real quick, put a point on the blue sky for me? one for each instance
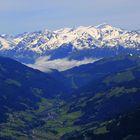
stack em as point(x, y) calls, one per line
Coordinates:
point(17, 16)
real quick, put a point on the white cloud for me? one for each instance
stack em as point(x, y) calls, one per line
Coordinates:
point(45, 65)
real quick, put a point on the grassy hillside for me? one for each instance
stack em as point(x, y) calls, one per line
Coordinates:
point(33, 107)
point(82, 75)
point(22, 87)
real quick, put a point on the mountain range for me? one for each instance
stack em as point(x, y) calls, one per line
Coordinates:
point(92, 101)
point(70, 84)
point(82, 45)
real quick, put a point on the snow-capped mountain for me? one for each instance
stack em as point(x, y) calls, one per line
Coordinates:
point(81, 38)
point(72, 43)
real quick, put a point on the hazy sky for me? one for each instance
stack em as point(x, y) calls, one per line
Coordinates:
point(17, 16)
